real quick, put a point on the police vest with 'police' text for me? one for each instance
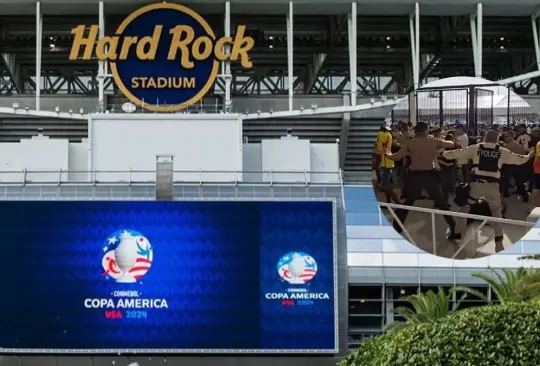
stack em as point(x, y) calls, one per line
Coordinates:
point(488, 158)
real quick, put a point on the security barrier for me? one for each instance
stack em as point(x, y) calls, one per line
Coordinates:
point(484, 220)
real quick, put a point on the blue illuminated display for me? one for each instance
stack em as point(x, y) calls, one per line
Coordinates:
point(205, 276)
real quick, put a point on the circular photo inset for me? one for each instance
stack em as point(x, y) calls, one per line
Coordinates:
point(456, 167)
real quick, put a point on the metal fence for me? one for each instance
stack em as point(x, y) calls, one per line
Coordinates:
point(468, 104)
point(484, 220)
point(145, 177)
point(484, 105)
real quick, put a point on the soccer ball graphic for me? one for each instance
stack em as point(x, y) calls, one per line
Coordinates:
point(127, 257)
point(297, 268)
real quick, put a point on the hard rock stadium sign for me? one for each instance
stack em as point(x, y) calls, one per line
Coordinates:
point(163, 57)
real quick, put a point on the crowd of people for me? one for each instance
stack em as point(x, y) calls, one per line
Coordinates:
point(434, 160)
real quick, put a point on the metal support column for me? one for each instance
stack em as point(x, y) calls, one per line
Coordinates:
point(414, 25)
point(164, 177)
point(101, 64)
point(476, 37)
point(471, 117)
point(534, 23)
point(227, 64)
point(39, 46)
point(290, 45)
point(353, 57)
point(344, 133)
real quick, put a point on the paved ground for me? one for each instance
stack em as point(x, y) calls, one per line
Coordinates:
point(482, 242)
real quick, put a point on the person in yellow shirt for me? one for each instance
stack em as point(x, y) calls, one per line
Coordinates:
point(385, 165)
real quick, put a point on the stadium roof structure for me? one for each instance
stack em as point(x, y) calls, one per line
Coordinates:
point(320, 7)
point(321, 62)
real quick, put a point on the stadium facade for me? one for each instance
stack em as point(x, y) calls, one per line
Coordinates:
point(304, 60)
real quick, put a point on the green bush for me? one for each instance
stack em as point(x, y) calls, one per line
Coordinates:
point(489, 335)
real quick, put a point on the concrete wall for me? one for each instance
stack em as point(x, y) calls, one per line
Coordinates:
point(69, 162)
point(197, 142)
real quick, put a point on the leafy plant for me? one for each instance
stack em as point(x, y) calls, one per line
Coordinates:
point(506, 334)
point(426, 307)
point(508, 286)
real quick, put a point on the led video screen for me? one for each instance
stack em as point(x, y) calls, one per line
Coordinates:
point(182, 277)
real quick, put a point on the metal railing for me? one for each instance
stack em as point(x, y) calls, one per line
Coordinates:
point(206, 106)
point(148, 177)
point(343, 201)
point(433, 212)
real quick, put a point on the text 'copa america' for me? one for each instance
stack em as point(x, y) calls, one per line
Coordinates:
point(126, 304)
point(184, 47)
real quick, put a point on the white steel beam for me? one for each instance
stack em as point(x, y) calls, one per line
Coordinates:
point(39, 45)
point(344, 133)
point(517, 78)
point(226, 71)
point(353, 57)
point(414, 27)
point(534, 23)
point(101, 64)
point(36, 113)
point(290, 50)
point(477, 20)
point(321, 111)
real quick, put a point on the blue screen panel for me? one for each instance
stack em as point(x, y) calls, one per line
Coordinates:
point(204, 276)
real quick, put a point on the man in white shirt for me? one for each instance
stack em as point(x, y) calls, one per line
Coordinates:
point(488, 158)
point(463, 141)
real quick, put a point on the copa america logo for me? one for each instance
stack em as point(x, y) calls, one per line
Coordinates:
point(297, 268)
point(127, 256)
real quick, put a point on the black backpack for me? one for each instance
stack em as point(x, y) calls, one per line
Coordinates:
point(463, 198)
point(481, 208)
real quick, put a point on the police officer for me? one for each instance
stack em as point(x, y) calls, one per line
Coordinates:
point(488, 158)
point(423, 152)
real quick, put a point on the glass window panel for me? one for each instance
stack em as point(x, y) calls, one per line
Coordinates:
point(365, 322)
point(398, 276)
point(362, 218)
point(399, 246)
point(531, 247)
point(365, 275)
point(464, 276)
point(437, 276)
point(365, 245)
point(365, 292)
point(372, 231)
point(366, 206)
point(401, 291)
point(358, 193)
point(365, 307)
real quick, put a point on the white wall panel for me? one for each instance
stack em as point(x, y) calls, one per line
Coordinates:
point(284, 158)
point(78, 161)
point(324, 159)
point(44, 157)
point(11, 162)
point(252, 163)
point(208, 143)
